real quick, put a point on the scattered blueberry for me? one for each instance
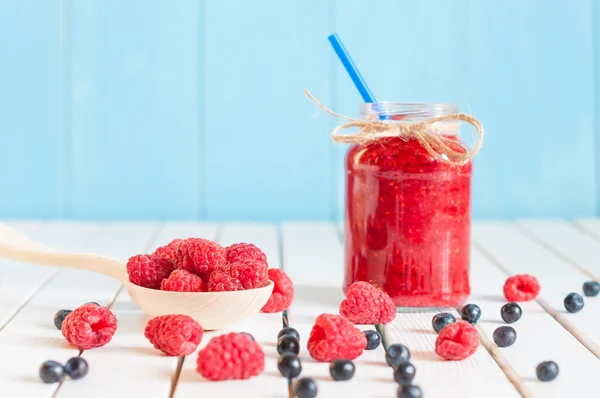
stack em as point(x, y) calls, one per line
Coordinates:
point(51, 372)
point(591, 289)
point(76, 368)
point(288, 343)
point(442, 320)
point(373, 339)
point(397, 354)
point(410, 392)
point(289, 365)
point(573, 302)
point(249, 336)
point(93, 302)
point(470, 313)
point(405, 373)
point(341, 369)
point(547, 371)
point(288, 330)
point(505, 336)
point(511, 312)
point(60, 317)
point(306, 388)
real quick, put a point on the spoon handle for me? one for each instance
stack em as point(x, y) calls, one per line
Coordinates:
point(18, 247)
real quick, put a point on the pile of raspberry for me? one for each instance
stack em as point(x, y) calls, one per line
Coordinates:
point(201, 265)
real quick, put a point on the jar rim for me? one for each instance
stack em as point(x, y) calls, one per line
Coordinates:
point(411, 110)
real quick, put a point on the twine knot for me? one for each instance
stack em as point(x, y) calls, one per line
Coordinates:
point(444, 148)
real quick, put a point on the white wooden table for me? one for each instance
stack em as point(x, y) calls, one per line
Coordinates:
point(561, 254)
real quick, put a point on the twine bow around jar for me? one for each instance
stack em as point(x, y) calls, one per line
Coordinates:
point(442, 147)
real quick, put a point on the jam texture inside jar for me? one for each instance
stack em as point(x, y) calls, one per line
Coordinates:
point(407, 221)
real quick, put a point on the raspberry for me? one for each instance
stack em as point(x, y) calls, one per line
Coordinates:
point(334, 337)
point(175, 335)
point(366, 304)
point(239, 276)
point(457, 341)
point(147, 271)
point(199, 256)
point(89, 326)
point(283, 292)
point(521, 288)
point(231, 356)
point(241, 252)
point(168, 252)
point(182, 281)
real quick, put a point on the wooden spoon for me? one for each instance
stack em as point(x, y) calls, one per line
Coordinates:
point(213, 310)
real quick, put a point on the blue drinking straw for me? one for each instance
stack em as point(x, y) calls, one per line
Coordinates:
point(351, 68)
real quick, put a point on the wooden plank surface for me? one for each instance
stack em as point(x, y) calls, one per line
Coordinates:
point(560, 254)
point(30, 338)
point(264, 328)
point(322, 266)
point(312, 257)
point(130, 361)
point(572, 244)
point(537, 337)
point(19, 282)
point(127, 361)
point(517, 252)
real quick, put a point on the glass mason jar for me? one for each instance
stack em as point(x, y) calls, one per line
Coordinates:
point(408, 215)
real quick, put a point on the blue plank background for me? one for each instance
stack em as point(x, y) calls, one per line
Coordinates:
point(194, 109)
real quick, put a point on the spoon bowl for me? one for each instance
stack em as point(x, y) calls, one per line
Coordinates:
point(213, 310)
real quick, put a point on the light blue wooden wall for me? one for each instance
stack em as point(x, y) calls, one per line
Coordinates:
point(194, 109)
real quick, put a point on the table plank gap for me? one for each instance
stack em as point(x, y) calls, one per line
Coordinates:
point(125, 360)
point(176, 375)
point(18, 284)
point(487, 277)
point(264, 327)
point(31, 338)
point(514, 379)
point(533, 231)
point(314, 258)
point(503, 363)
point(565, 337)
point(591, 226)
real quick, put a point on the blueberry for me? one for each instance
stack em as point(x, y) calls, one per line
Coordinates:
point(442, 320)
point(591, 289)
point(289, 365)
point(547, 371)
point(511, 312)
point(341, 369)
point(249, 336)
point(306, 388)
point(76, 368)
point(574, 302)
point(470, 313)
point(505, 336)
point(405, 373)
point(59, 317)
point(410, 392)
point(288, 330)
point(51, 372)
point(288, 343)
point(397, 354)
point(93, 302)
point(373, 339)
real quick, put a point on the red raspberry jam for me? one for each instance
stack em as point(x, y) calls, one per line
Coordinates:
point(407, 224)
